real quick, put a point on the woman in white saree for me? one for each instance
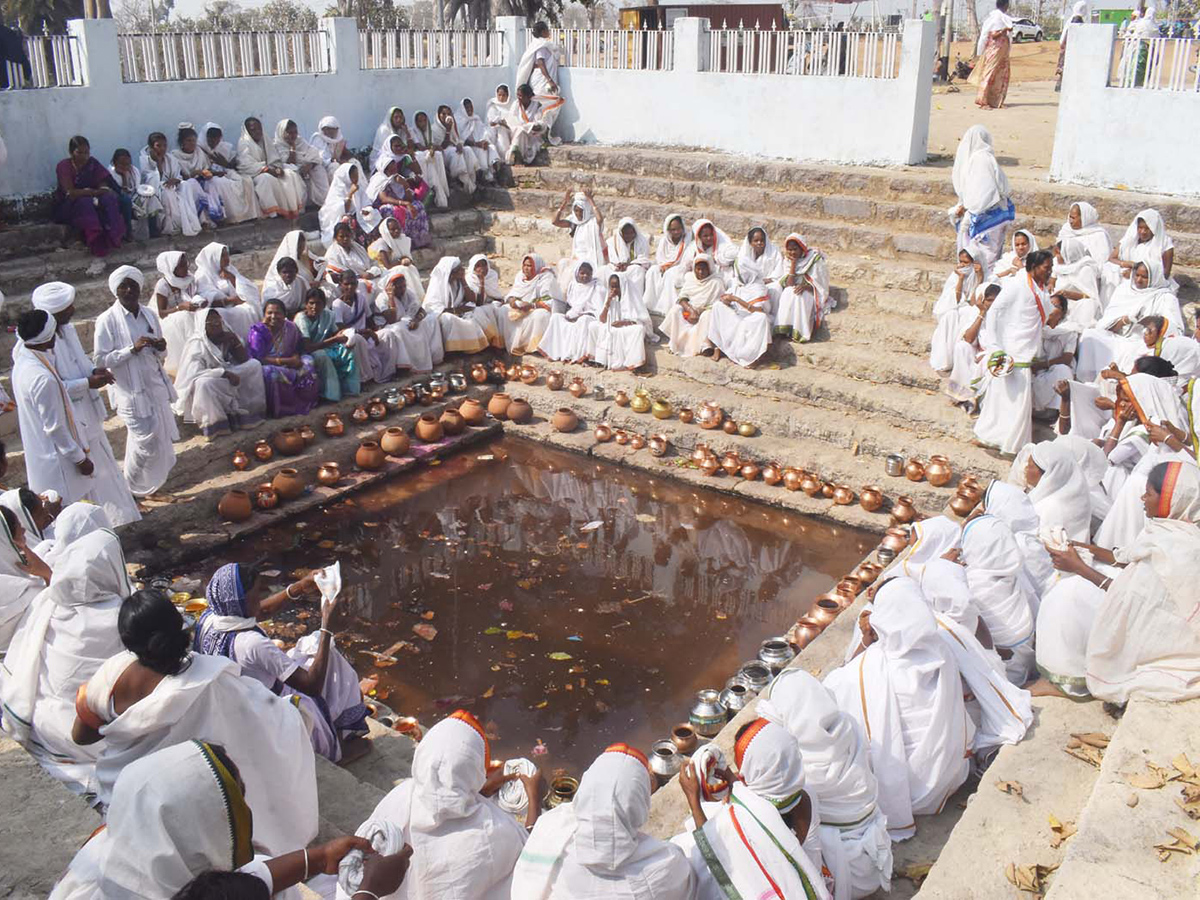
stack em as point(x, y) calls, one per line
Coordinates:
point(1008, 502)
point(660, 278)
point(294, 246)
point(483, 281)
point(466, 327)
point(1059, 492)
point(183, 201)
point(394, 248)
point(855, 845)
point(1083, 224)
point(155, 694)
point(223, 288)
point(499, 106)
point(530, 303)
point(69, 631)
point(585, 224)
point(464, 844)
point(174, 298)
point(568, 335)
point(1077, 277)
point(298, 155)
point(955, 310)
point(427, 150)
point(804, 301)
point(23, 575)
point(219, 386)
point(418, 332)
point(740, 324)
point(376, 350)
point(687, 324)
point(906, 692)
point(618, 335)
point(984, 207)
point(280, 190)
point(221, 160)
point(1145, 241)
point(707, 239)
point(346, 196)
point(594, 848)
point(393, 123)
point(224, 195)
point(1118, 331)
point(1013, 262)
point(629, 254)
point(478, 146)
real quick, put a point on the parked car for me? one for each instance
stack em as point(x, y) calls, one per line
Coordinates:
point(1026, 30)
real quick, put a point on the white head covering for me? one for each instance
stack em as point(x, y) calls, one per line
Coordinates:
point(944, 585)
point(769, 760)
point(995, 570)
point(931, 538)
point(702, 293)
point(1062, 497)
point(12, 500)
point(621, 252)
point(541, 287)
point(978, 179)
point(263, 153)
point(334, 207)
point(1159, 243)
point(53, 296)
point(398, 247)
point(121, 274)
point(996, 21)
point(770, 259)
point(319, 139)
point(439, 295)
point(585, 298)
point(668, 253)
point(166, 263)
point(74, 522)
point(489, 287)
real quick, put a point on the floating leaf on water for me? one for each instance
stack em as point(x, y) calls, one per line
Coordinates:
point(327, 545)
point(490, 692)
point(558, 654)
point(486, 457)
point(424, 630)
point(721, 617)
point(382, 662)
point(443, 575)
point(493, 630)
point(370, 524)
point(495, 668)
point(524, 584)
point(646, 518)
point(603, 681)
point(486, 587)
point(300, 573)
point(427, 615)
point(542, 705)
point(506, 605)
point(592, 525)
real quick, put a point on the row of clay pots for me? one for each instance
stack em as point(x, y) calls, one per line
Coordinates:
point(658, 443)
point(513, 409)
point(286, 442)
point(937, 471)
point(829, 605)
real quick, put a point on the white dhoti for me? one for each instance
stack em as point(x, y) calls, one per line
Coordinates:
point(568, 340)
point(796, 316)
point(617, 348)
point(421, 348)
point(150, 449)
point(462, 334)
point(1064, 622)
point(1004, 420)
point(741, 335)
point(685, 338)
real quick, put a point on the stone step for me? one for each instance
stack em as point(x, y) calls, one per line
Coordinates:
point(344, 801)
point(1115, 843)
point(389, 761)
point(999, 828)
point(930, 185)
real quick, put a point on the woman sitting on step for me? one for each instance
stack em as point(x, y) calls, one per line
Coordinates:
point(954, 309)
point(530, 303)
point(805, 300)
point(280, 189)
point(87, 198)
point(394, 248)
point(1145, 241)
point(660, 278)
point(219, 386)
point(758, 249)
point(629, 253)
point(740, 324)
point(1023, 242)
point(618, 336)
point(290, 376)
point(1083, 224)
point(219, 285)
point(568, 336)
point(467, 319)
point(324, 341)
point(409, 323)
point(687, 323)
point(377, 352)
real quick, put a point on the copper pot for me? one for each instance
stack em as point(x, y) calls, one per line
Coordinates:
point(731, 463)
point(266, 497)
point(288, 442)
point(710, 465)
point(377, 409)
point(903, 511)
point(360, 415)
point(429, 428)
point(750, 470)
point(730, 426)
point(793, 479)
point(803, 632)
point(621, 437)
point(370, 456)
point(554, 381)
point(519, 411)
point(394, 441)
point(235, 506)
point(263, 451)
point(603, 433)
point(824, 611)
point(453, 422)
point(842, 495)
point(686, 416)
point(473, 412)
point(330, 473)
point(772, 473)
point(498, 405)
point(683, 736)
point(621, 399)
point(410, 395)
point(710, 415)
point(240, 460)
point(895, 539)
point(513, 372)
point(810, 484)
point(564, 420)
point(498, 371)
point(699, 454)
point(479, 373)
point(658, 445)
point(870, 498)
point(333, 425)
point(938, 472)
point(962, 505)
point(307, 434)
point(529, 374)
point(849, 588)
point(827, 490)
point(867, 572)
point(636, 442)
point(577, 388)
point(970, 488)
point(914, 470)
point(288, 484)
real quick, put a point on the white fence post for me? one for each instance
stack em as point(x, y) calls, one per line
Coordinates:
point(99, 56)
point(692, 39)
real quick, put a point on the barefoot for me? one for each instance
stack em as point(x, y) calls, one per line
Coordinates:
point(717, 354)
point(1044, 688)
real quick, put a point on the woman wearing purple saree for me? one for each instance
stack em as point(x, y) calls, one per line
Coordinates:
point(87, 198)
point(289, 376)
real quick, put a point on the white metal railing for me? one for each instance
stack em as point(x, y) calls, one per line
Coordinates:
point(614, 48)
point(180, 56)
point(1156, 64)
point(847, 54)
point(429, 49)
point(53, 62)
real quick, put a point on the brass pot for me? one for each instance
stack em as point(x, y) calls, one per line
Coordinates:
point(410, 395)
point(661, 409)
point(288, 484)
point(903, 511)
point(453, 422)
point(750, 470)
point(360, 415)
point(330, 473)
point(870, 498)
point(686, 416)
point(263, 451)
point(473, 412)
point(772, 473)
point(266, 497)
point(730, 426)
point(914, 470)
point(235, 506)
point(498, 405)
point(603, 433)
point(658, 445)
point(637, 441)
point(824, 611)
point(621, 399)
point(333, 426)
point(529, 374)
point(895, 539)
point(849, 587)
point(240, 460)
point(962, 505)
point(793, 479)
point(747, 429)
point(970, 488)
point(288, 442)
point(307, 434)
point(554, 381)
point(710, 465)
point(640, 402)
point(683, 736)
point(731, 463)
point(564, 420)
point(394, 441)
point(577, 388)
point(803, 632)
point(479, 373)
point(842, 495)
point(938, 472)
point(369, 456)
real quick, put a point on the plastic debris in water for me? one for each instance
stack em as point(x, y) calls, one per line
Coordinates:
point(539, 749)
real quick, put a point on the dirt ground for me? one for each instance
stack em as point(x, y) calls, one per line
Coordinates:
point(1030, 61)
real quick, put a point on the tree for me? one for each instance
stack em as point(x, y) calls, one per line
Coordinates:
point(42, 16)
point(383, 15)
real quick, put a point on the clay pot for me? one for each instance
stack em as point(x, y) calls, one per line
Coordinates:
point(453, 422)
point(370, 455)
point(479, 373)
point(772, 473)
point(894, 539)
point(640, 402)
point(429, 428)
point(240, 460)
point(333, 426)
point(263, 451)
point(360, 415)
point(603, 433)
point(802, 633)
point(577, 387)
point(903, 511)
point(962, 505)
point(660, 409)
point(793, 480)
point(730, 426)
point(636, 442)
point(811, 485)
point(842, 495)
point(377, 409)
point(700, 453)
point(914, 470)
point(686, 416)
point(555, 381)
point(288, 442)
point(731, 463)
point(519, 411)
point(288, 484)
point(266, 497)
point(621, 399)
point(710, 415)
point(564, 420)
point(710, 466)
point(658, 445)
point(824, 611)
point(330, 473)
point(235, 506)
point(395, 441)
point(307, 434)
point(683, 736)
point(870, 498)
point(747, 429)
point(621, 437)
point(749, 470)
point(472, 411)
point(938, 472)
point(498, 405)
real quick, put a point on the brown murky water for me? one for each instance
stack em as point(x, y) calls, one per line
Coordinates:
point(575, 603)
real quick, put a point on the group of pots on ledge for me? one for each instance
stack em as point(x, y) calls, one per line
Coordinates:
point(828, 605)
point(658, 443)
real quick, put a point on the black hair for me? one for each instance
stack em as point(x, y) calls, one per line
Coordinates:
point(10, 519)
point(152, 628)
point(185, 133)
point(1155, 322)
point(248, 574)
point(541, 29)
point(446, 108)
point(1157, 477)
point(29, 499)
point(340, 227)
point(31, 322)
point(155, 136)
point(990, 291)
point(213, 885)
point(1059, 300)
point(216, 128)
point(1154, 365)
point(749, 234)
point(348, 275)
point(287, 260)
point(525, 90)
point(76, 142)
point(315, 293)
point(1002, 5)
point(246, 121)
point(277, 302)
point(118, 153)
point(400, 278)
point(1036, 258)
point(1140, 265)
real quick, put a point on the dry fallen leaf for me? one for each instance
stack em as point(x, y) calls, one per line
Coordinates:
point(490, 692)
point(1011, 787)
point(1093, 739)
point(915, 872)
point(1060, 831)
point(424, 630)
point(1184, 844)
point(1028, 878)
point(1150, 780)
point(1088, 754)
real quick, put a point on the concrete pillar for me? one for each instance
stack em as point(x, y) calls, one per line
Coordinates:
point(99, 56)
point(918, 48)
point(512, 29)
point(343, 44)
point(1085, 76)
point(692, 40)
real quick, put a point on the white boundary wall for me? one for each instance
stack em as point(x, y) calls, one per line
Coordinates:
point(1140, 138)
point(795, 117)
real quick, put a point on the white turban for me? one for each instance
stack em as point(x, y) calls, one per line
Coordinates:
point(125, 273)
point(53, 296)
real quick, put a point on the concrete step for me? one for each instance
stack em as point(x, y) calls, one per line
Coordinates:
point(344, 801)
point(999, 828)
point(930, 185)
point(1115, 843)
point(389, 761)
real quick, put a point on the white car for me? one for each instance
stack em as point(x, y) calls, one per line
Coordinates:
point(1026, 30)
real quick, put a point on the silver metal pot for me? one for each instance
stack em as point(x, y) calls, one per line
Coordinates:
point(707, 714)
point(894, 465)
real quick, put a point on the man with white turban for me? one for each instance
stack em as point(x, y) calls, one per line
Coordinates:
point(129, 343)
point(61, 414)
